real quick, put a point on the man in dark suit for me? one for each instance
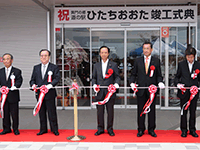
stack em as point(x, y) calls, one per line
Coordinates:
point(40, 75)
point(11, 106)
point(98, 78)
point(184, 77)
point(140, 76)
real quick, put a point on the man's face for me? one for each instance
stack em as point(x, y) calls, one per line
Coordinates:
point(104, 53)
point(7, 61)
point(190, 58)
point(147, 50)
point(44, 57)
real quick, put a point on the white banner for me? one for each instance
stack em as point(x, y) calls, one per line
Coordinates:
point(125, 14)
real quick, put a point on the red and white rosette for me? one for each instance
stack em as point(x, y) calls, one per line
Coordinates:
point(152, 68)
point(4, 91)
point(152, 90)
point(110, 72)
point(50, 73)
point(43, 91)
point(12, 77)
point(111, 90)
point(197, 71)
point(74, 86)
point(193, 91)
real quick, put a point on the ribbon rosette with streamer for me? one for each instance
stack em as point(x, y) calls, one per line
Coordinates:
point(111, 90)
point(152, 68)
point(50, 73)
point(12, 77)
point(146, 109)
point(193, 91)
point(197, 71)
point(110, 72)
point(4, 91)
point(74, 86)
point(43, 91)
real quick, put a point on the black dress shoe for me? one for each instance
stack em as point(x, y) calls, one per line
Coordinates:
point(152, 133)
point(56, 133)
point(184, 134)
point(5, 132)
point(194, 134)
point(99, 132)
point(140, 133)
point(111, 133)
point(41, 132)
point(16, 132)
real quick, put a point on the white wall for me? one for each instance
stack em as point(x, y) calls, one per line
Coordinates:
point(23, 34)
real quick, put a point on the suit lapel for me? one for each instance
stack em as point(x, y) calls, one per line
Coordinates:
point(4, 74)
point(101, 73)
point(142, 65)
point(194, 67)
point(151, 63)
point(40, 70)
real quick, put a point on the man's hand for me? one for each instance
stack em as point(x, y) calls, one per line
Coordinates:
point(116, 85)
point(96, 88)
point(49, 86)
point(161, 85)
point(13, 88)
point(181, 87)
point(34, 87)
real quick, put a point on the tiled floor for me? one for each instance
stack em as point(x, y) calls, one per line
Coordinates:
point(96, 146)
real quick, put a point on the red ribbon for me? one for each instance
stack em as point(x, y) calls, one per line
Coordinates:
point(43, 91)
point(197, 71)
point(110, 72)
point(111, 90)
point(146, 109)
point(74, 86)
point(4, 91)
point(152, 68)
point(193, 91)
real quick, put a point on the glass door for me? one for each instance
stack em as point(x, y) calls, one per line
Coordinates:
point(135, 38)
point(114, 39)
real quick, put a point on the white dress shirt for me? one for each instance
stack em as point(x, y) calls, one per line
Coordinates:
point(42, 67)
point(104, 67)
point(7, 74)
point(190, 66)
point(149, 59)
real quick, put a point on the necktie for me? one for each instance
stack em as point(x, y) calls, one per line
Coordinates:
point(6, 73)
point(146, 65)
point(43, 71)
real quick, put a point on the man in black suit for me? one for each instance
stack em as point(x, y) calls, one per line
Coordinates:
point(11, 106)
point(184, 77)
point(140, 76)
point(98, 78)
point(40, 75)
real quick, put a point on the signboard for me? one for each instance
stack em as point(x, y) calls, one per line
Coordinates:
point(165, 32)
point(125, 14)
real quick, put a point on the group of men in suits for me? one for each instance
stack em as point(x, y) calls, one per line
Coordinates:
point(146, 71)
point(105, 73)
point(40, 76)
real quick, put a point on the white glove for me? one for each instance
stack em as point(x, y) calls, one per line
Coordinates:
point(180, 86)
point(116, 85)
point(13, 88)
point(161, 85)
point(96, 90)
point(134, 86)
point(49, 86)
point(34, 88)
